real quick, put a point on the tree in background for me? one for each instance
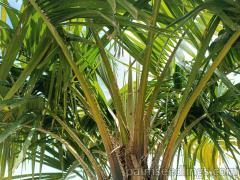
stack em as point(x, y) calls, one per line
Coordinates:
point(60, 61)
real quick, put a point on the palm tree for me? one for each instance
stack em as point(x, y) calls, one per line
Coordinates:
point(63, 105)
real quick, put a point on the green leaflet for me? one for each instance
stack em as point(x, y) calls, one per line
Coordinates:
point(14, 45)
point(129, 7)
point(23, 152)
point(112, 4)
point(12, 127)
point(37, 57)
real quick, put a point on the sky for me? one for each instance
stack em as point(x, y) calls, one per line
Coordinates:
point(15, 3)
